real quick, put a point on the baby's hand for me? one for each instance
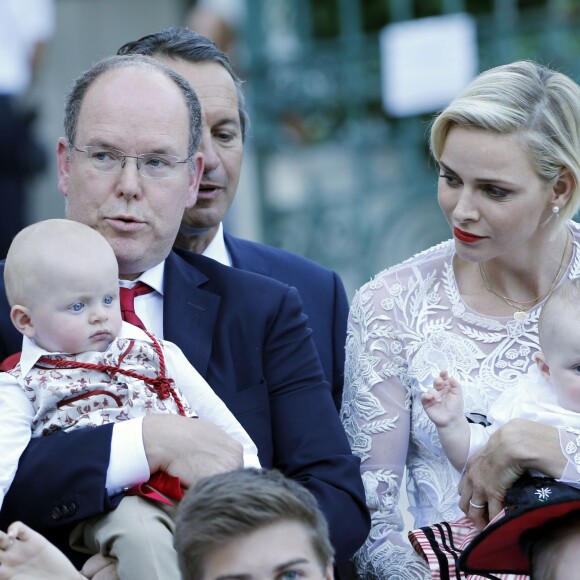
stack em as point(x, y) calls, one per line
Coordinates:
point(24, 553)
point(444, 402)
point(5, 540)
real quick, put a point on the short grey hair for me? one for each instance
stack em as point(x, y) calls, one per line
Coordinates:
point(81, 85)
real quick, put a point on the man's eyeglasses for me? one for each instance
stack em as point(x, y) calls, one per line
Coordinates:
point(152, 165)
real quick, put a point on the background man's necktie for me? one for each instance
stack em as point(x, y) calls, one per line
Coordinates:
point(127, 299)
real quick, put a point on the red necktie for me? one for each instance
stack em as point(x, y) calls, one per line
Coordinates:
point(127, 298)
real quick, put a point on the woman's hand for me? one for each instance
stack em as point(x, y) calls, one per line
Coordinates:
point(515, 447)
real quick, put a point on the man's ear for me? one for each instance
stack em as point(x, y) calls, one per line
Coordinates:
point(329, 572)
point(63, 165)
point(194, 179)
point(543, 366)
point(20, 316)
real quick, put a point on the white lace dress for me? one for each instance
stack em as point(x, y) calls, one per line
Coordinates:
point(404, 326)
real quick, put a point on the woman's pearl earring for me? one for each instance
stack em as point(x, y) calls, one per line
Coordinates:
point(555, 210)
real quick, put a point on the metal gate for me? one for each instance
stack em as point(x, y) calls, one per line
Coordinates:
point(338, 180)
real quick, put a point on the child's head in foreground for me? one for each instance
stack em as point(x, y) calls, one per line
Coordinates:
point(62, 284)
point(559, 337)
point(252, 523)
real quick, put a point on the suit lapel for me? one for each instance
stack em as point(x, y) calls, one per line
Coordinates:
point(189, 312)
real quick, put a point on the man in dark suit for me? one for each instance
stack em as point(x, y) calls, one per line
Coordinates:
point(219, 90)
point(245, 334)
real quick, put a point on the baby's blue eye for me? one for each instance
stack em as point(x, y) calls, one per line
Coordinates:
point(77, 307)
point(290, 575)
point(108, 300)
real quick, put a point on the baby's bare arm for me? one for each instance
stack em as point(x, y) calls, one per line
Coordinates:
point(444, 406)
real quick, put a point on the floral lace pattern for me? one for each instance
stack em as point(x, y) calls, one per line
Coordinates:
point(570, 445)
point(405, 325)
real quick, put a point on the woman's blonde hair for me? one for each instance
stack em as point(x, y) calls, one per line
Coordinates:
point(524, 97)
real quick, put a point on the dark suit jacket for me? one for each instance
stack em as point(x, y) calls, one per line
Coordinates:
point(322, 294)
point(247, 335)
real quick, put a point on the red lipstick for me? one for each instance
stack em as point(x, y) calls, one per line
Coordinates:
point(466, 236)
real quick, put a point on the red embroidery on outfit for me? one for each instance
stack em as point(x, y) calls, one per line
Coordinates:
point(161, 486)
point(161, 384)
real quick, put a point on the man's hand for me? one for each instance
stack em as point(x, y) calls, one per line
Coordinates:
point(190, 449)
point(515, 447)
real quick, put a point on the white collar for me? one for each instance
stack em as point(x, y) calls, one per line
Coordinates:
point(217, 249)
point(31, 352)
point(152, 277)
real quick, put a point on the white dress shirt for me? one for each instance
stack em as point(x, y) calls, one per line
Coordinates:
point(128, 465)
point(128, 460)
point(217, 250)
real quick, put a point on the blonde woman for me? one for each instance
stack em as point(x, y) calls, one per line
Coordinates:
point(509, 182)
